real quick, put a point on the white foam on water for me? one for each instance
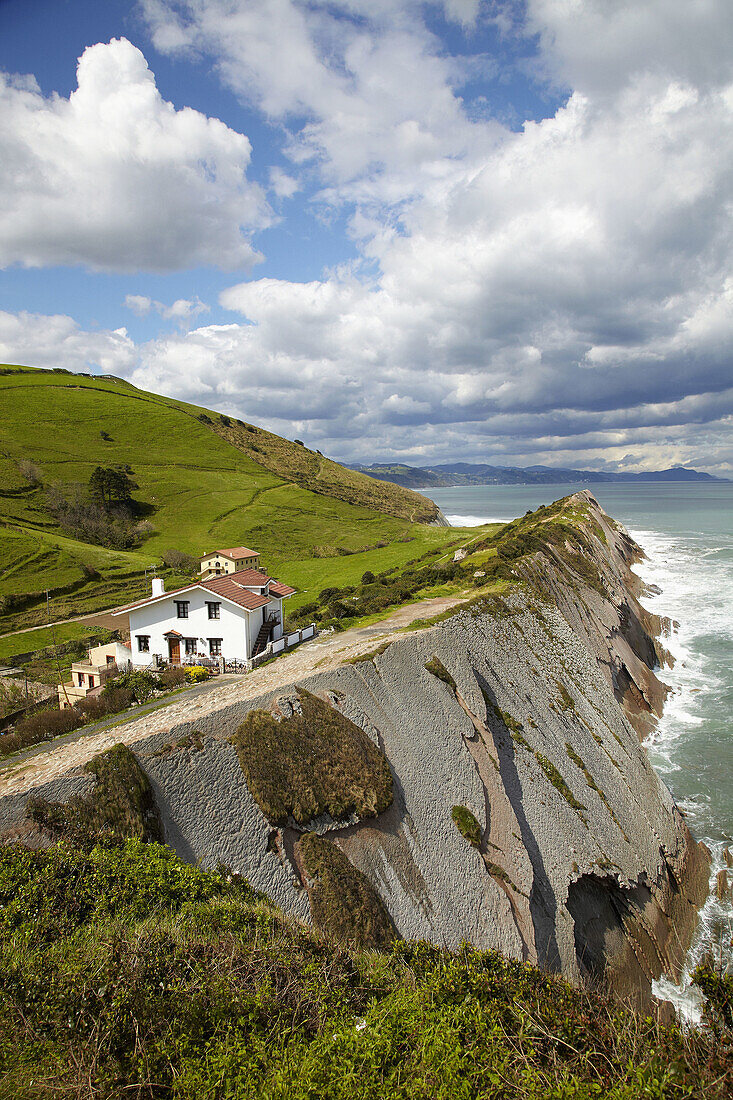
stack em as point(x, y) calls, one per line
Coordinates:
point(696, 581)
point(476, 521)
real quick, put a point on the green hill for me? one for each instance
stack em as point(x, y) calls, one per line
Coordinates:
point(202, 481)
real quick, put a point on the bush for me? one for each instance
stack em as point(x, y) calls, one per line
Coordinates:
point(117, 698)
point(140, 682)
point(180, 562)
point(172, 678)
point(93, 708)
point(49, 723)
point(367, 578)
point(196, 674)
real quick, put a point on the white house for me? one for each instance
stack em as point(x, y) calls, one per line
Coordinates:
point(219, 562)
point(233, 617)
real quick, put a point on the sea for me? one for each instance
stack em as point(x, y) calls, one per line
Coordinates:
point(686, 532)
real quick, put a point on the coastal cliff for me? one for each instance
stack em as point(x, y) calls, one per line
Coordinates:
point(523, 813)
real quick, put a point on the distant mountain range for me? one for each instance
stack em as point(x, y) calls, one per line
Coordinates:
point(466, 473)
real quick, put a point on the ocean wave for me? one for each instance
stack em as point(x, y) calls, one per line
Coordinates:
point(691, 747)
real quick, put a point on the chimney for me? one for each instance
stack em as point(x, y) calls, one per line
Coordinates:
point(158, 586)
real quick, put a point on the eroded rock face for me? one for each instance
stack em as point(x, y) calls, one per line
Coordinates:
point(585, 864)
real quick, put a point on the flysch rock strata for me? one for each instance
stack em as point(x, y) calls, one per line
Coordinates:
point(585, 866)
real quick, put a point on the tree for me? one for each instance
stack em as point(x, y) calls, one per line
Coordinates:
point(111, 487)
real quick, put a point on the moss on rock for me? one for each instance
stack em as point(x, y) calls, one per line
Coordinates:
point(467, 825)
point(343, 901)
point(121, 804)
point(436, 668)
point(316, 761)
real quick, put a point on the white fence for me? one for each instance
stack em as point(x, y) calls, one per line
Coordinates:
point(287, 642)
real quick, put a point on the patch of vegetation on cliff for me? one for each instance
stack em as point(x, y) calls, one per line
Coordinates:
point(343, 901)
point(514, 726)
point(436, 668)
point(180, 982)
point(566, 700)
point(314, 762)
point(467, 825)
point(560, 785)
point(121, 803)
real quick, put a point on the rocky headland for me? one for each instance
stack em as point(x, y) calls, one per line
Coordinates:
point(482, 778)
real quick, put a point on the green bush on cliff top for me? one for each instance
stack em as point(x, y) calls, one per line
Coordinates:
point(157, 979)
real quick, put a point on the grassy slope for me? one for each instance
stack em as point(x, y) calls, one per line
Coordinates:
point(207, 491)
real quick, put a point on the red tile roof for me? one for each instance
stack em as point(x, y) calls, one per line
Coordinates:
point(235, 552)
point(281, 590)
point(232, 586)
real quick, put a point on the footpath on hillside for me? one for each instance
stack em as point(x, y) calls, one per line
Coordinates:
point(51, 759)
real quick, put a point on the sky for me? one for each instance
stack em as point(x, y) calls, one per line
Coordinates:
point(409, 230)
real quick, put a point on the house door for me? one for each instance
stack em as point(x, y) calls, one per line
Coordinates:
point(174, 651)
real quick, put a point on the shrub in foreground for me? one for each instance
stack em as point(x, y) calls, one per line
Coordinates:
point(152, 978)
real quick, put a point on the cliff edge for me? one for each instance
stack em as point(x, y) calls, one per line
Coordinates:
point(485, 777)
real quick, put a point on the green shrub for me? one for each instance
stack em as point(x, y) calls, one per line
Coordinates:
point(140, 682)
point(127, 972)
point(716, 987)
point(467, 825)
point(314, 762)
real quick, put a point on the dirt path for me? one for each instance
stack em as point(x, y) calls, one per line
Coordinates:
point(324, 652)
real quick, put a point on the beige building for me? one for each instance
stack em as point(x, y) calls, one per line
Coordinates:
point(89, 677)
point(220, 562)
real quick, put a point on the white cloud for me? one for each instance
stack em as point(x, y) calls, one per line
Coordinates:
point(383, 121)
point(139, 304)
point(561, 294)
point(116, 179)
point(182, 310)
point(40, 340)
point(282, 184)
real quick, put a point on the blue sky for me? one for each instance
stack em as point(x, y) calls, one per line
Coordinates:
point(427, 231)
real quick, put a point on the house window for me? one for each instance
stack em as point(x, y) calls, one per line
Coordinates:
point(215, 647)
point(110, 660)
point(143, 643)
point(81, 679)
point(213, 610)
point(182, 609)
point(190, 646)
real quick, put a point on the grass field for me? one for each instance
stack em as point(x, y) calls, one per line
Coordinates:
point(207, 481)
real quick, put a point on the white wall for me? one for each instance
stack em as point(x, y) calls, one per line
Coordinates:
point(232, 627)
point(121, 654)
